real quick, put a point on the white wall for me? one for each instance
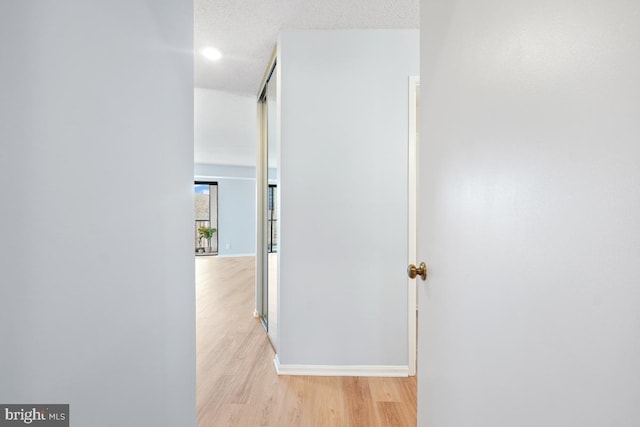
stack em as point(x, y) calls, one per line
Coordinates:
point(343, 298)
point(225, 128)
point(236, 207)
point(236, 217)
point(225, 151)
point(531, 197)
point(96, 98)
point(208, 171)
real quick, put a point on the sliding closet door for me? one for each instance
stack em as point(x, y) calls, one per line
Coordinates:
point(268, 206)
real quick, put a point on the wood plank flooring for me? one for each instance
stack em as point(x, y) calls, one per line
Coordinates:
point(236, 380)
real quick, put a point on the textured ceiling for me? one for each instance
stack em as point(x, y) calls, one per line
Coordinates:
point(246, 31)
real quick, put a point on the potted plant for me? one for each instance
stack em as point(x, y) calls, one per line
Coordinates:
point(206, 233)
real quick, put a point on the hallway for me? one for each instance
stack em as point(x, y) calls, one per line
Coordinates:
point(236, 380)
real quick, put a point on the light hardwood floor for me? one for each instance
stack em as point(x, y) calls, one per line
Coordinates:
point(236, 381)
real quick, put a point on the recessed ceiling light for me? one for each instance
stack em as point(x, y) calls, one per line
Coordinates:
point(211, 53)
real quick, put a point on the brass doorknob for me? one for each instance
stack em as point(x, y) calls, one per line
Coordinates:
point(414, 271)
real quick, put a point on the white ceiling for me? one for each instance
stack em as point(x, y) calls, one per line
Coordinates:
point(246, 31)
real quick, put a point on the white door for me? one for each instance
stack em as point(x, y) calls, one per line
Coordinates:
point(529, 214)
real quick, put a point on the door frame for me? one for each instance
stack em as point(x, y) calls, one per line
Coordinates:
point(412, 227)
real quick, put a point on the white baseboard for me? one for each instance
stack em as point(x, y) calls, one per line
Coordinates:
point(233, 255)
point(341, 370)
